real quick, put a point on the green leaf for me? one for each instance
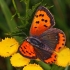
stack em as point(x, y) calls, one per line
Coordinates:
point(31, 11)
point(11, 23)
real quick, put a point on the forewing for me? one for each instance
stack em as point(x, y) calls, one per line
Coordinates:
point(42, 21)
point(27, 50)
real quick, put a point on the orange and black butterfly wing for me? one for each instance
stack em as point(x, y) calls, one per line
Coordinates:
point(53, 40)
point(42, 21)
point(45, 56)
point(27, 50)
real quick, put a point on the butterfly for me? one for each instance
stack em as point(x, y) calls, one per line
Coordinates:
point(44, 40)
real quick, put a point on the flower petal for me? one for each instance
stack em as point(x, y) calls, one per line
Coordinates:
point(63, 57)
point(32, 67)
point(8, 46)
point(17, 60)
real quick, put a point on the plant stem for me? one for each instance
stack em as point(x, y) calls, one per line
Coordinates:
point(27, 7)
point(17, 11)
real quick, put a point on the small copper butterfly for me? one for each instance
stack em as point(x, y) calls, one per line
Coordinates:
point(44, 40)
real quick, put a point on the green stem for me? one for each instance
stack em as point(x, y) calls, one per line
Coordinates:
point(9, 66)
point(11, 23)
point(14, 4)
point(27, 7)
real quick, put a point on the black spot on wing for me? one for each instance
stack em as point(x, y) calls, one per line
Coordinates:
point(37, 22)
point(28, 52)
point(42, 15)
point(22, 50)
point(35, 27)
point(41, 8)
point(59, 48)
point(63, 39)
point(24, 47)
point(42, 19)
point(45, 26)
point(62, 43)
point(63, 36)
point(36, 16)
point(45, 20)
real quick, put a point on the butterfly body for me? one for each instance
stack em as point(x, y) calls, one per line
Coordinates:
point(44, 40)
point(35, 41)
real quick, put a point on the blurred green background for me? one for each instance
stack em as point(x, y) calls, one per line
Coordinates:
point(12, 16)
